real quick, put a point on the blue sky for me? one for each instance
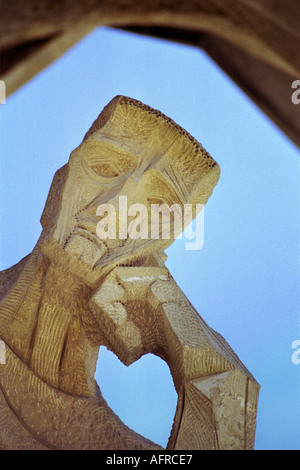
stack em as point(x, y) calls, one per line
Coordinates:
point(245, 280)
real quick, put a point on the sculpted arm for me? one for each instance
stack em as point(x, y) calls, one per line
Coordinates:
point(143, 310)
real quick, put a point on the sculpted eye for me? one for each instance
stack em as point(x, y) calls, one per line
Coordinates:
point(105, 160)
point(105, 169)
point(155, 200)
point(160, 205)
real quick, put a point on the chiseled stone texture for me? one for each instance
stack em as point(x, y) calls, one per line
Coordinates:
point(75, 292)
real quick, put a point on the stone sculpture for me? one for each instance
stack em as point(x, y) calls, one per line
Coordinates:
point(75, 292)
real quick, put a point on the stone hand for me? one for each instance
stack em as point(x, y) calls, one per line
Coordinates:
point(142, 310)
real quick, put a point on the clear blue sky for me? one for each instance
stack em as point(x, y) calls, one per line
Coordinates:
point(244, 281)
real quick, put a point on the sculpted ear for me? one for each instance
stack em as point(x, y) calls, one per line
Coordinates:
point(54, 199)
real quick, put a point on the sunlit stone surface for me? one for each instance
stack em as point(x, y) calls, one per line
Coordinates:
point(77, 291)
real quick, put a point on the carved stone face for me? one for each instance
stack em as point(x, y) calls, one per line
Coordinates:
point(138, 153)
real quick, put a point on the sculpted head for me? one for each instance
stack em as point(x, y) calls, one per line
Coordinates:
point(131, 150)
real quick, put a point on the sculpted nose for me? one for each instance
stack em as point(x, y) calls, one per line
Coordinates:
point(137, 175)
point(129, 186)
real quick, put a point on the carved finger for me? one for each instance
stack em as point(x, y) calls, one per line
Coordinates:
point(217, 412)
